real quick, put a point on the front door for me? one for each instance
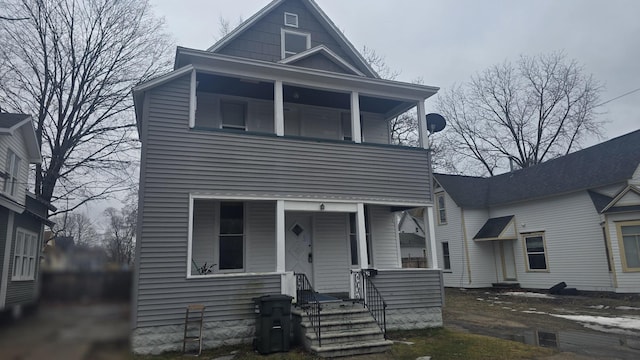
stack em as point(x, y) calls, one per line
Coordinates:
point(299, 244)
point(508, 260)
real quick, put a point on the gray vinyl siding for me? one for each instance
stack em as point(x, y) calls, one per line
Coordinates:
point(262, 40)
point(383, 238)
point(331, 253)
point(163, 301)
point(261, 236)
point(410, 288)
point(320, 62)
point(23, 292)
point(182, 160)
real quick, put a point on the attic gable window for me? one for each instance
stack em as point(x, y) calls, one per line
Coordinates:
point(293, 42)
point(291, 19)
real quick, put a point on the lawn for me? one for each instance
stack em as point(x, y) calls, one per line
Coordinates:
point(440, 344)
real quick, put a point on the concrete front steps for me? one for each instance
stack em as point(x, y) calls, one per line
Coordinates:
point(347, 329)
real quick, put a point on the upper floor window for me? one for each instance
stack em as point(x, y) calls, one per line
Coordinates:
point(12, 169)
point(629, 237)
point(25, 255)
point(234, 115)
point(293, 42)
point(536, 252)
point(291, 19)
point(442, 210)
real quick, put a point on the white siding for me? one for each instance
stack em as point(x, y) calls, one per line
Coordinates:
point(17, 144)
point(575, 249)
point(261, 236)
point(452, 232)
point(384, 238)
point(481, 260)
point(331, 262)
point(630, 198)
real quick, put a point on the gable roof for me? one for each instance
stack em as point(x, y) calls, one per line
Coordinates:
point(311, 5)
point(10, 123)
point(327, 53)
point(607, 163)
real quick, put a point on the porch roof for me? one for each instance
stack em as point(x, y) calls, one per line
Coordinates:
point(496, 229)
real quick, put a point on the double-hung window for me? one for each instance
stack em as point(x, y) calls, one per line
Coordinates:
point(536, 252)
point(629, 235)
point(231, 244)
point(446, 257)
point(442, 210)
point(12, 170)
point(25, 255)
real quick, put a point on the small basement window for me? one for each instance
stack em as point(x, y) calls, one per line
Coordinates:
point(291, 19)
point(293, 42)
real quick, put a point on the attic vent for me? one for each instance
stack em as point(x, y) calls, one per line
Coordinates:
point(291, 19)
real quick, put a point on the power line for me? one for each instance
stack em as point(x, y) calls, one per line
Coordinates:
point(618, 97)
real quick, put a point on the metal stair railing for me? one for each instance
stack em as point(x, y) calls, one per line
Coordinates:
point(307, 300)
point(371, 298)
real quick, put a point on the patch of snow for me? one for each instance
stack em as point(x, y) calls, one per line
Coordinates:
point(480, 299)
point(534, 312)
point(528, 294)
point(533, 309)
point(506, 308)
point(622, 322)
point(598, 307)
point(610, 330)
point(627, 308)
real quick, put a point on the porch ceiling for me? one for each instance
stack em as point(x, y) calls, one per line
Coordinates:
point(296, 94)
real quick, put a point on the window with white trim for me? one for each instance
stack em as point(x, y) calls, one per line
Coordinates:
point(12, 171)
point(446, 257)
point(25, 255)
point(291, 19)
point(442, 210)
point(629, 236)
point(293, 42)
point(536, 251)
point(353, 237)
point(233, 114)
point(231, 242)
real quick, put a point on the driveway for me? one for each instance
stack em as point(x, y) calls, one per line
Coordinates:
point(594, 327)
point(70, 332)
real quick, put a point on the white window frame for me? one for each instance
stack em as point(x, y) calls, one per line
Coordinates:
point(623, 251)
point(216, 238)
point(540, 234)
point(12, 173)
point(284, 53)
point(441, 209)
point(294, 16)
point(26, 248)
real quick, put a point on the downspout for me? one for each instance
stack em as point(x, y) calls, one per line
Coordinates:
point(610, 259)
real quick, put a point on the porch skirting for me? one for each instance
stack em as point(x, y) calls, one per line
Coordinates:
point(410, 319)
point(155, 340)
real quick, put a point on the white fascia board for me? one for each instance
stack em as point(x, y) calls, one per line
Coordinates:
point(289, 200)
point(264, 70)
point(321, 49)
point(33, 149)
point(620, 195)
point(150, 84)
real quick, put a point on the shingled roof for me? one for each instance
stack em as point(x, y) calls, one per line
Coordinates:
point(8, 120)
point(607, 163)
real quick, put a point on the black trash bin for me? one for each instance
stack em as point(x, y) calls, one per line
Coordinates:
point(273, 323)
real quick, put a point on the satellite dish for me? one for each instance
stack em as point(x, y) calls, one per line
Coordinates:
point(435, 122)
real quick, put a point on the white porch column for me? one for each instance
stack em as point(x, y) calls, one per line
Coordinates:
point(278, 108)
point(362, 237)
point(193, 100)
point(356, 131)
point(422, 125)
point(280, 236)
point(431, 245)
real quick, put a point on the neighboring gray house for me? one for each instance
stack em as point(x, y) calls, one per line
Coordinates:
point(269, 154)
point(574, 219)
point(22, 215)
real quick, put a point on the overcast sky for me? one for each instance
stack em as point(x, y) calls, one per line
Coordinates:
point(446, 42)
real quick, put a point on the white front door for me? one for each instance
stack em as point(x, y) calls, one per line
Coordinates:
point(299, 244)
point(508, 260)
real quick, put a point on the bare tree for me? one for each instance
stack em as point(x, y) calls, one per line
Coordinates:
point(77, 226)
point(72, 65)
point(525, 113)
point(119, 238)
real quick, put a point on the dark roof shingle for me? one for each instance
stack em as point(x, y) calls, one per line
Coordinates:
point(8, 120)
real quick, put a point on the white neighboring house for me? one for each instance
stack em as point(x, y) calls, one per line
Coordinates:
point(574, 219)
point(413, 246)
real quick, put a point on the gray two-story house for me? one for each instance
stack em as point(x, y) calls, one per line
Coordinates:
point(266, 156)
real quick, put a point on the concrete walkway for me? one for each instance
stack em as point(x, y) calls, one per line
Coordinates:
point(73, 332)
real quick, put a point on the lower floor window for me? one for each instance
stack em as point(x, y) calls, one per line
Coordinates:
point(629, 233)
point(536, 254)
point(218, 236)
point(25, 255)
point(353, 237)
point(446, 258)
